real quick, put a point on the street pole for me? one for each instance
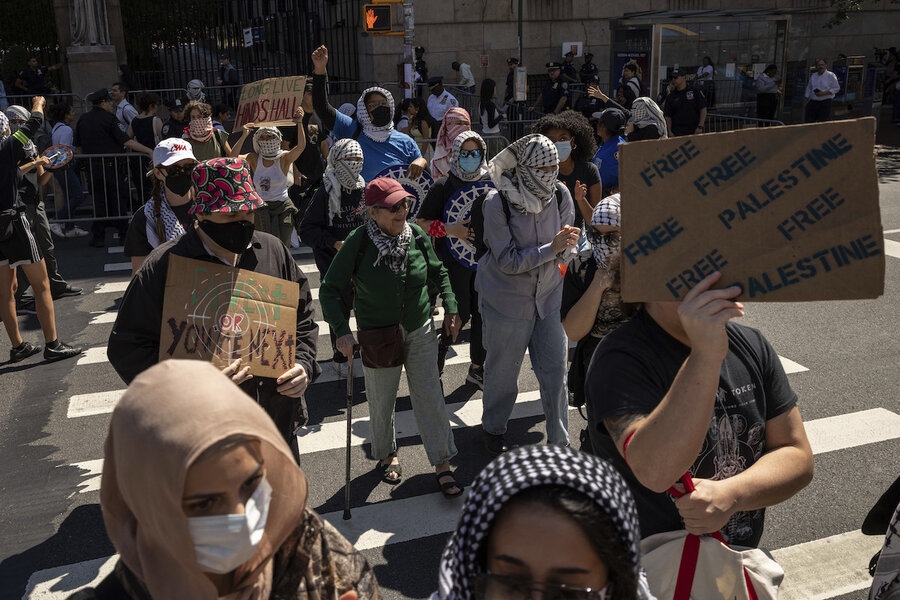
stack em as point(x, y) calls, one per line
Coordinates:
point(520, 31)
point(409, 39)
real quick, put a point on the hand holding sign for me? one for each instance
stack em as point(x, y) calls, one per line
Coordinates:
point(298, 115)
point(703, 314)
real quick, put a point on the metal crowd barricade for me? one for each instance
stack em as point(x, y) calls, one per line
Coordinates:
point(719, 122)
point(67, 97)
point(99, 187)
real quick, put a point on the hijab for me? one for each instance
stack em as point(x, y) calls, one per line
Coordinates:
point(456, 121)
point(645, 112)
point(170, 414)
point(342, 174)
point(377, 134)
point(607, 212)
point(514, 172)
point(194, 90)
point(516, 471)
point(454, 157)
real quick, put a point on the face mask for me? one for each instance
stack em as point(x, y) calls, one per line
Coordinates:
point(348, 172)
point(564, 149)
point(225, 542)
point(469, 164)
point(181, 212)
point(14, 127)
point(200, 129)
point(269, 148)
point(381, 116)
point(179, 183)
point(234, 236)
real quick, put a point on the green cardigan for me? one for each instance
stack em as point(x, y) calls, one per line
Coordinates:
point(377, 302)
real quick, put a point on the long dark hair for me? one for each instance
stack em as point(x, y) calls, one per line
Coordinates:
point(577, 125)
point(593, 521)
point(488, 87)
point(56, 113)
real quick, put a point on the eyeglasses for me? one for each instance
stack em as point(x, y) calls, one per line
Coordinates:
point(472, 153)
point(400, 206)
point(499, 587)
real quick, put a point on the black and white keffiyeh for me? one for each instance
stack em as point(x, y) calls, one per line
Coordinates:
point(378, 134)
point(391, 249)
point(454, 157)
point(171, 225)
point(518, 470)
point(605, 246)
point(4, 125)
point(646, 112)
point(271, 148)
point(342, 174)
point(515, 172)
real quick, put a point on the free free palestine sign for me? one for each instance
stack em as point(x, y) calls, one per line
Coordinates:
point(788, 213)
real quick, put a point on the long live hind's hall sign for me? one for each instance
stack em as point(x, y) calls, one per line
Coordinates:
point(270, 101)
point(787, 213)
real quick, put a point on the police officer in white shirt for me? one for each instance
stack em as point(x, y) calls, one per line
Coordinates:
point(440, 100)
point(822, 87)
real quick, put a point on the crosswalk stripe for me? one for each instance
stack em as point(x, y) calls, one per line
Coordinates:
point(93, 472)
point(852, 429)
point(115, 250)
point(91, 356)
point(104, 317)
point(790, 366)
point(112, 287)
point(115, 267)
point(59, 582)
point(98, 403)
point(892, 248)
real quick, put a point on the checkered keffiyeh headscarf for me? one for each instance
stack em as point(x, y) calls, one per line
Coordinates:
point(519, 470)
point(514, 172)
point(378, 134)
point(342, 174)
point(607, 212)
point(454, 157)
point(645, 112)
point(4, 125)
point(391, 249)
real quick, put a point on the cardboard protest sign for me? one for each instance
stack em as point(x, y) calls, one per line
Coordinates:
point(270, 101)
point(217, 313)
point(788, 213)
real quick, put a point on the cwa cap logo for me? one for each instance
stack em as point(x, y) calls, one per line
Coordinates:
point(172, 150)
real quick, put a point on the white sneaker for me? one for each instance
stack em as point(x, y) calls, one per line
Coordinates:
point(341, 369)
point(75, 232)
point(57, 230)
point(295, 241)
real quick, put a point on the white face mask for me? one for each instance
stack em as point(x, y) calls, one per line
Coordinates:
point(225, 542)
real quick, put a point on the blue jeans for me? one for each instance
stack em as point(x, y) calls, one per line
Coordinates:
point(74, 195)
point(506, 340)
point(425, 395)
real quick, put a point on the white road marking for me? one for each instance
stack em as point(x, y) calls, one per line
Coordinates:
point(827, 567)
point(98, 403)
point(115, 250)
point(107, 316)
point(91, 477)
point(791, 366)
point(113, 287)
point(892, 248)
point(890, 231)
point(115, 267)
point(852, 429)
point(307, 269)
point(94, 355)
point(60, 582)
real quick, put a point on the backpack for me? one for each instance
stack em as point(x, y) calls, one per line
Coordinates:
point(476, 221)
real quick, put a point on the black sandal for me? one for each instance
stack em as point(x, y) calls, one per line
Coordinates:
point(451, 483)
point(388, 470)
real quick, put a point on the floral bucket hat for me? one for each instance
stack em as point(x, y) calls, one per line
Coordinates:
point(224, 185)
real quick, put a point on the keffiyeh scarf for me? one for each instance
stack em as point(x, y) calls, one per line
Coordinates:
point(4, 125)
point(391, 249)
point(171, 225)
point(269, 149)
point(645, 112)
point(605, 246)
point(456, 121)
point(519, 470)
point(342, 174)
point(378, 134)
point(515, 172)
point(194, 90)
point(454, 157)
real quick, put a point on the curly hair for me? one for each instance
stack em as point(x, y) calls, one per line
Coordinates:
point(577, 125)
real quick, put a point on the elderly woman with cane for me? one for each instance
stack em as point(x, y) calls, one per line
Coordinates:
point(390, 263)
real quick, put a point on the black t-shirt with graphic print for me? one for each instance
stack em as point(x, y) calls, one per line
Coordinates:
point(632, 370)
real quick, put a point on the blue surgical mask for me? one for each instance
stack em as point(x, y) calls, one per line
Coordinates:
point(564, 149)
point(469, 164)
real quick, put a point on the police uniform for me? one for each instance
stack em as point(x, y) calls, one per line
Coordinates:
point(683, 108)
point(510, 91)
point(438, 105)
point(568, 69)
point(553, 91)
point(421, 69)
point(173, 128)
point(588, 71)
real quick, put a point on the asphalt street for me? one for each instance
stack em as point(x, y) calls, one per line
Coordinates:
point(842, 358)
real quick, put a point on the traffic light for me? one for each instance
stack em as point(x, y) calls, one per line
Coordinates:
point(377, 18)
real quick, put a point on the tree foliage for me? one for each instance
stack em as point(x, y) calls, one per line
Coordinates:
point(844, 9)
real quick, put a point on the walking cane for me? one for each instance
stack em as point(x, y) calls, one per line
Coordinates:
point(349, 433)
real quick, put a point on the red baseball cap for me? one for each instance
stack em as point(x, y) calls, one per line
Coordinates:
point(385, 192)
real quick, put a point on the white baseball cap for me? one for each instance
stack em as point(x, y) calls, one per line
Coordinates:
point(172, 150)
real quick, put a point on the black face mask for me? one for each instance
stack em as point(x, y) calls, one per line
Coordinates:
point(234, 236)
point(381, 116)
point(179, 181)
point(181, 212)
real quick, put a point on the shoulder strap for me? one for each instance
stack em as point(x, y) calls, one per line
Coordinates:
point(363, 244)
point(504, 202)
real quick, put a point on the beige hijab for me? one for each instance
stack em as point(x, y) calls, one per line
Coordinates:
point(168, 416)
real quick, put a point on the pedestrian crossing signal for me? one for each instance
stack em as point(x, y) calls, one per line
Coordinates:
point(377, 18)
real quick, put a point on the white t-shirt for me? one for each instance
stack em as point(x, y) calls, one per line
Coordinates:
point(826, 82)
point(62, 134)
point(707, 69)
point(466, 79)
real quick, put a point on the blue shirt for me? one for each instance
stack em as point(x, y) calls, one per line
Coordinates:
point(398, 149)
point(607, 161)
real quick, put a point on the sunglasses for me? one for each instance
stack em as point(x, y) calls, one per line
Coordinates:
point(499, 587)
point(472, 153)
point(400, 206)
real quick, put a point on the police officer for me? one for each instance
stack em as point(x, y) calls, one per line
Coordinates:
point(510, 93)
point(440, 100)
point(555, 95)
point(685, 106)
point(174, 126)
point(421, 68)
point(569, 74)
point(588, 72)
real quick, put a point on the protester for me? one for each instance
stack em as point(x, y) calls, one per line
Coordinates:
point(195, 91)
point(466, 79)
point(706, 79)
point(224, 515)
point(629, 86)
point(176, 126)
point(271, 167)
point(391, 263)
point(373, 128)
point(528, 232)
point(646, 121)
point(308, 168)
point(685, 107)
point(588, 70)
point(61, 117)
point(207, 141)
point(415, 122)
point(345, 109)
point(574, 140)
point(687, 390)
point(221, 114)
point(125, 112)
point(335, 210)
point(223, 232)
point(33, 78)
point(555, 95)
point(456, 120)
point(592, 299)
point(146, 127)
point(820, 90)
point(550, 519)
point(440, 100)
point(610, 126)
point(98, 132)
point(165, 216)
point(468, 163)
point(18, 246)
point(487, 109)
point(767, 92)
